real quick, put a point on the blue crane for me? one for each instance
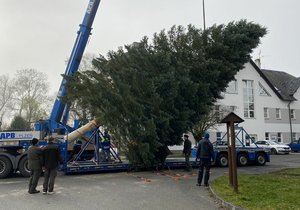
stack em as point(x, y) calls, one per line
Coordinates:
point(60, 111)
point(10, 159)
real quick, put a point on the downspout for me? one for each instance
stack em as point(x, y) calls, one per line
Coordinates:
point(290, 119)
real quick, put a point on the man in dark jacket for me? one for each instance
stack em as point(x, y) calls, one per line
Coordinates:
point(34, 165)
point(205, 153)
point(52, 159)
point(187, 148)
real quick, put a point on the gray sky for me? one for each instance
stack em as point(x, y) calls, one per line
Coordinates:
point(40, 33)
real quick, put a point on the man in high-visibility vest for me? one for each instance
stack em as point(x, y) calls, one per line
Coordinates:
point(105, 146)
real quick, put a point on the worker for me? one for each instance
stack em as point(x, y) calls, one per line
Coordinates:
point(35, 165)
point(105, 146)
point(52, 158)
point(187, 148)
point(205, 153)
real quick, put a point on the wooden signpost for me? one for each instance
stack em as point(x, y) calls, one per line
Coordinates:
point(230, 119)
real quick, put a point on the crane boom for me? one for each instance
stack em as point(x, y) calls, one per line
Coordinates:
point(60, 110)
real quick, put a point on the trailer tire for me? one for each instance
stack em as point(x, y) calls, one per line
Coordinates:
point(242, 159)
point(261, 159)
point(223, 160)
point(23, 167)
point(5, 167)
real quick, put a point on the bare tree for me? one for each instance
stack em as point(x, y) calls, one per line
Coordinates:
point(6, 94)
point(207, 122)
point(211, 119)
point(31, 93)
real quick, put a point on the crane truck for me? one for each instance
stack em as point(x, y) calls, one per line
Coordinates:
point(13, 144)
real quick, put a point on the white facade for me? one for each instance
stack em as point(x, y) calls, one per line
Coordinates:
point(270, 115)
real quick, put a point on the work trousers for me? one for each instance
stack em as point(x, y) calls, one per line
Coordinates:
point(49, 179)
point(187, 161)
point(34, 179)
point(204, 164)
point(106, 155)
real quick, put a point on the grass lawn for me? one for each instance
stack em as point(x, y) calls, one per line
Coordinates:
point(277, 190)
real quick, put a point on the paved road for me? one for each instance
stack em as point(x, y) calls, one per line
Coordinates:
point(277, 162)
point(144, 190)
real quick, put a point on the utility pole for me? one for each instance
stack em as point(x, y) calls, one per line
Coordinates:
point(290, 119)
point(203, 12)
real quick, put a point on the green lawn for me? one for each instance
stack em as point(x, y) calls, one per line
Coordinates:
point(278, 190)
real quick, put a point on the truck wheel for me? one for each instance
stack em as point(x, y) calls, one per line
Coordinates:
point(273, 151)
point(261, 159)
point(223, 160)
point(242, 160)
point(23, 167)
point(5, 167)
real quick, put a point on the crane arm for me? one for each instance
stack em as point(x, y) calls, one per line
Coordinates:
point(60, 110)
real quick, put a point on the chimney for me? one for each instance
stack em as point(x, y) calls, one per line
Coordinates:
point(257, 62)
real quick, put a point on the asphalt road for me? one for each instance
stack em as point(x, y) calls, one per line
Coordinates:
point(174, 189)
point(277, 162)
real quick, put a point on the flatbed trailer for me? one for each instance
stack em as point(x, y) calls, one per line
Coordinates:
point(247, 152)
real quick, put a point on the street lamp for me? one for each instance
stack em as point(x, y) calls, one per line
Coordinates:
point(203, 9)
point(290, 119)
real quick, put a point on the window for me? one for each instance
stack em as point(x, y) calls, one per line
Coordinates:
point(248, 98)
point(232, 87)
point(219, 136)
point(294, 136)
point(279, 137)
point(267, 136)
point(293, 114)
point(262, 90)
point(266, 113)
point(217, 112)
point(278, 114)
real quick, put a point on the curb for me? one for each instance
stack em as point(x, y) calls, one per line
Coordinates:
point(224, 203)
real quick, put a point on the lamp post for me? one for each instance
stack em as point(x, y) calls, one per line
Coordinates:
point(290, 120)
point(203, 12)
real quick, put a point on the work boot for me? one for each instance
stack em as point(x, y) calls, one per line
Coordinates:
point(50, 192)
point(34, 192)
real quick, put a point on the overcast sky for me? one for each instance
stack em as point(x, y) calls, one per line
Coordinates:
point(40, 34)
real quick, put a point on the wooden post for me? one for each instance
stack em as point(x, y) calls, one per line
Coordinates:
point(230, 119)
point(233, 158)
point(229, 155)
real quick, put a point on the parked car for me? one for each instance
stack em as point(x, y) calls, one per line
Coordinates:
point(295, 145)
point(274, 146)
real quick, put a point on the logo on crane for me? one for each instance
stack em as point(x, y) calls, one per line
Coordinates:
point(90, 6)
point(7, 135)
point(19, 135)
